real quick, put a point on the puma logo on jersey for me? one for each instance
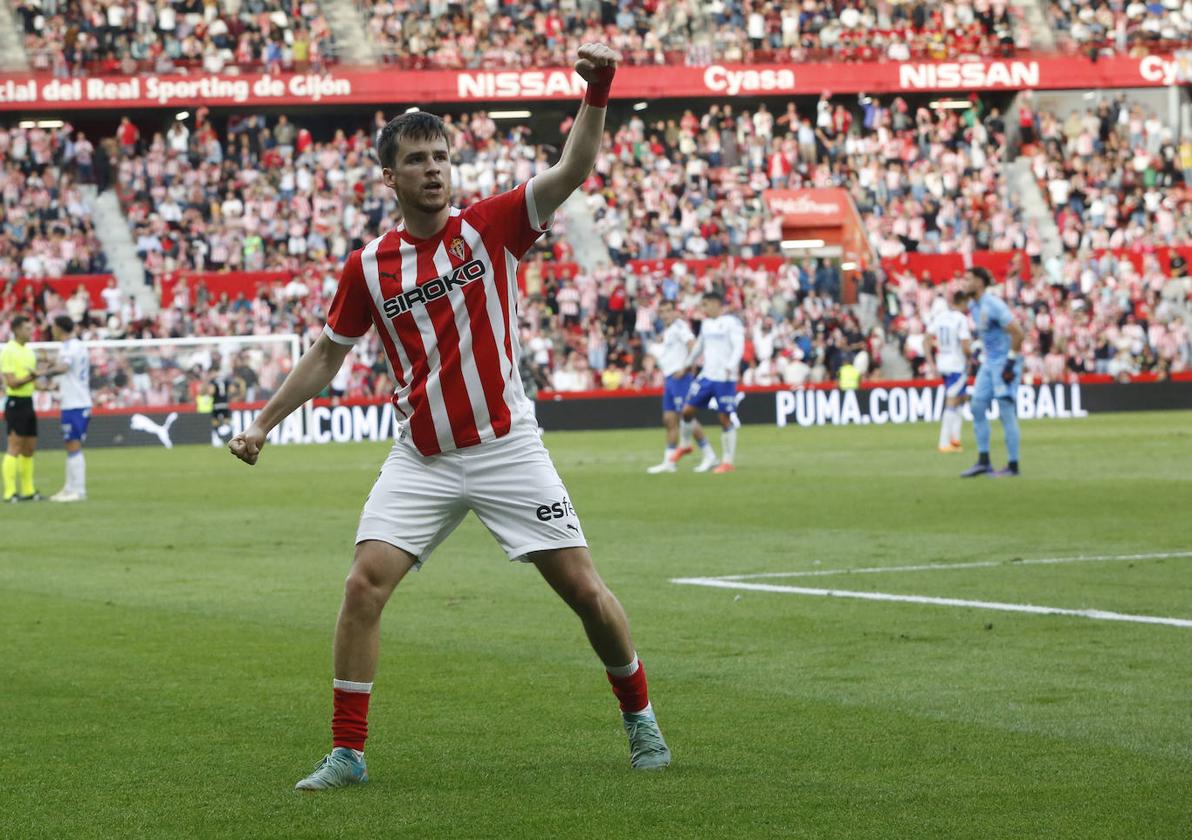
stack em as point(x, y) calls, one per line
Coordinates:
point(433, 289)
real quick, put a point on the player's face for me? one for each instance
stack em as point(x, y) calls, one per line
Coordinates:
point(421, 175)
point(973, 285)
point(711, 307)
point(24, 333)
point(667, 314)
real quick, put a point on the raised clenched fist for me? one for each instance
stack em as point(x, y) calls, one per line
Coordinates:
point(597, 63)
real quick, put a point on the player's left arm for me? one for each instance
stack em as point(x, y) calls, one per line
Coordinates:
point(736, 345)
point(1016, 335)
point(596, 66)
point(1014, 330)
point(695, 349)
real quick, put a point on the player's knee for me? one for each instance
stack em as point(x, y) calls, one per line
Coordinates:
point(362, 593)
point(585, 594)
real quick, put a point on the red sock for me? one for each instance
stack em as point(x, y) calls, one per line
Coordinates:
point(349, 717)
point(631, 690)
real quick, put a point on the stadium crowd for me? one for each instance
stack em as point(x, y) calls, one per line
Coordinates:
point(1104, 28)
point(81, 37)
point(46, 228)
point(264, 194)
point(77, 37)
point(88, 37)
point(1099, 315)
point(596, 330)
point(423, 34)
point(1115, 177)
point(925, 180)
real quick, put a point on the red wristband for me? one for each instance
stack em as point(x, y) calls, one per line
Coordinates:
point(597, 95)
point(598, 88)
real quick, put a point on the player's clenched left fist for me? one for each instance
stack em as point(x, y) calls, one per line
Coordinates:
point(597, 64)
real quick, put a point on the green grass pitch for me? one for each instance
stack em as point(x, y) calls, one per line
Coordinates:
point(167, 648)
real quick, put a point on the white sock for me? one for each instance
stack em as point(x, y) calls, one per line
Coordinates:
point(668, 454)
point(957, 424)
point(76, 473)
point(623, 670)
point(728, 440)
point(348, 685)
point(686, 430)
point(946, 427)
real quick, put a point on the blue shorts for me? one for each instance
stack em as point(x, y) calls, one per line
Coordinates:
point(989, 385)
point(674, 392)
point(703, 391)
point(955, 384)
point(74, 423)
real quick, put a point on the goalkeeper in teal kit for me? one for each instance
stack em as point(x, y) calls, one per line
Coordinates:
point(999, 376)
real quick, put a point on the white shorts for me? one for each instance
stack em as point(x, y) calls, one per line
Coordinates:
point(510, 483)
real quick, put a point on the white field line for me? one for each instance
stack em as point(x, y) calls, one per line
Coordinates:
point(979, 564)
point(1101, 615)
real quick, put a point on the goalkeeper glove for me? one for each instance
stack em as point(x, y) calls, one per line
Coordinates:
point(1008, 371)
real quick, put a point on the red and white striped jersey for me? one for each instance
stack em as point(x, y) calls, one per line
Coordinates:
point(446, 311)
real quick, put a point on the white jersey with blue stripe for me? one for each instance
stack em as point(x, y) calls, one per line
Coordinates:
point(74, 386)
point(950, 330)
point(722, 343)
point(672, 353)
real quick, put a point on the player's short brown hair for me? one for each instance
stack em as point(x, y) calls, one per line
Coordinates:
point(982, 274)
point(417, 125)
point(64, 323)
point(19, 321)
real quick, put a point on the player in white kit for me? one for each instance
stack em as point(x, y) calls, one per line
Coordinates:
point(948, 333)
point(441, 291)
point(671, 353)
point(721, 342)
point(74, 392)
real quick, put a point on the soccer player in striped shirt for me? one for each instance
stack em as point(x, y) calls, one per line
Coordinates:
point(440, 288)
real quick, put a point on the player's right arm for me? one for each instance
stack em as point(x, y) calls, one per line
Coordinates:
point(694, 350)
point(314, 372)
point(347, 321)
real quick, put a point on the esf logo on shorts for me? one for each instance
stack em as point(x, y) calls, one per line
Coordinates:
point(434, 289)
point(557, 510)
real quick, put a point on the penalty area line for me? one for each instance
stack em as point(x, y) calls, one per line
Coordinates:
point(1099, 615)
point(978, 564)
